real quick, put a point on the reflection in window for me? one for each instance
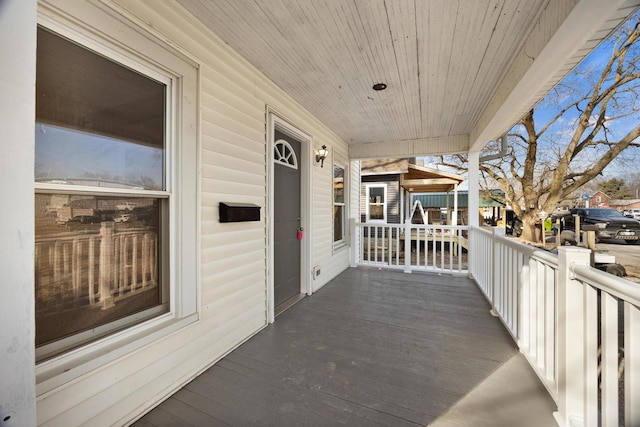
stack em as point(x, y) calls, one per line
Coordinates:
point(100, 265)
point(68, 156)
point(97, 122)
point(96, 262)
point(338, 203)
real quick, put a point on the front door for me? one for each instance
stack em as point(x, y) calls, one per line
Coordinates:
point(286, 218)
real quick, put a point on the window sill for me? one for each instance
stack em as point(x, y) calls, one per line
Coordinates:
point(53, 373)
point(341, 244)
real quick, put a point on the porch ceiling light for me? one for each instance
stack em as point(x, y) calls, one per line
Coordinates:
point(322, 154)
point(379, 86)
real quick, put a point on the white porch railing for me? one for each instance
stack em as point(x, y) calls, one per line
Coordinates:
point(578, 327)
point(411, 247)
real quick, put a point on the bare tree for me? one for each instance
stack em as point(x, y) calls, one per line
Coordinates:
point(550, 156)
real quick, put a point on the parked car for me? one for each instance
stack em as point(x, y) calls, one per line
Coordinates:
point(83, 222)
point(514, 226)
point(609, 224)
point(634, 213)
point(122, 218)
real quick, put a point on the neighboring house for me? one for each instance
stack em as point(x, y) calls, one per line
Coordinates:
point(624, 205)
point(231, 205)
point(387, 185)
point(599, 199)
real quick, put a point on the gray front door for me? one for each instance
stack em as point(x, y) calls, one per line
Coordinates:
point(286, 218)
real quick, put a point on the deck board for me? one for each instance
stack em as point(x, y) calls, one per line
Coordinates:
point(371, 348)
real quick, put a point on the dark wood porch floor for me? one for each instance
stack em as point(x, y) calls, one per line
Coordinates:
point(372, 347)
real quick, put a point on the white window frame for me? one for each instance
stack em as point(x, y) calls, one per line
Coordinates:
point(116, 38)
point(384, 204)
point(342, 241)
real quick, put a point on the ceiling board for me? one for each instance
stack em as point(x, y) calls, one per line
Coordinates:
point(444, 61)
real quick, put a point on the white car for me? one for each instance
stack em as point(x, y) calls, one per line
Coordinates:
point(122, 218)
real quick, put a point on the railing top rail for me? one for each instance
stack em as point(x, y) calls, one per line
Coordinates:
point(530, 251)
point(384, 224)
point(546, 257)
point(613, 285)
point(481, 230)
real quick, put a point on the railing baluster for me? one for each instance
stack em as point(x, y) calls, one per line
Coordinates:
point(433, 247)
point(451, 249)
point(550, 322)
point(442, 248)
point(540, 318)
point(609, 369)
point(631, 364)
point(590, 356)
point(369, 237)
point(418, 238)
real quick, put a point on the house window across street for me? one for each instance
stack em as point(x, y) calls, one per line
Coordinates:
point(101, 196)
point(338, 203)
point(376, 203)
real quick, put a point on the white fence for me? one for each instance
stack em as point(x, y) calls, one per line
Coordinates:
point(578, 327)
point(411, 247)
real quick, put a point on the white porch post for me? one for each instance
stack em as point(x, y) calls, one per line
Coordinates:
point(496, 288)
point(473, 201)
point(571, 335)
point(449, 219)
point(407, 247)
point(474, 187)
point(402, 197)
point(353, 233)
point(455, 205)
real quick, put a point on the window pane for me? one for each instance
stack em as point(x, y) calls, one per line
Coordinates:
point(67, 156)
point(376, 195)
point(338, 184)
point(376, 212)
point(338, 222)
point(98, 122)
point(96, 261)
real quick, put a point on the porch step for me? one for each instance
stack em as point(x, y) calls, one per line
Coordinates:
point(512, 396)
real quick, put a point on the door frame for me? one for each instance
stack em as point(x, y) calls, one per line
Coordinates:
point(277, 121)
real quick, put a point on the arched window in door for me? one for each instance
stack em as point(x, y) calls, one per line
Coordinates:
point(283, 153)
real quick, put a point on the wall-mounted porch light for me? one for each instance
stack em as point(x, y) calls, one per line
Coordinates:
point(322, 154)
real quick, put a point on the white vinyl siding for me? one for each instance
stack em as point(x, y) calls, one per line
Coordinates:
point(232, 102)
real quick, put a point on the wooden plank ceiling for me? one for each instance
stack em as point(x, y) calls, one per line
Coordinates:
point(442, 60)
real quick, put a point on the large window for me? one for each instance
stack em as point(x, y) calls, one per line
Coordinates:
point(377, 202)
point(338, 204)
point(101, 194)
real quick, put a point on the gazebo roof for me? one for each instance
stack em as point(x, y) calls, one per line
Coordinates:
point(420, 179)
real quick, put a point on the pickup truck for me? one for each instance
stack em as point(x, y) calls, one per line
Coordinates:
point(609, 224)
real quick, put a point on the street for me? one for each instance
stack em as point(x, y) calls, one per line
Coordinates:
point(626, 254)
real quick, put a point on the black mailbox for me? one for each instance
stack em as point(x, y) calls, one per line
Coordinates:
point(238, 212)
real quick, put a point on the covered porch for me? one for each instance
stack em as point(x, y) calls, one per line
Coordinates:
point(373, 347)
point(403, 349)
point(357, 80)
